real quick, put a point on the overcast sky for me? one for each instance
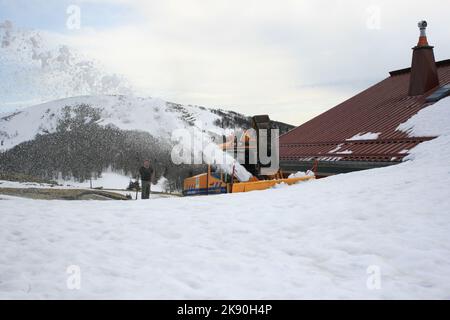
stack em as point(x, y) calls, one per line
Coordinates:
point(291, 59)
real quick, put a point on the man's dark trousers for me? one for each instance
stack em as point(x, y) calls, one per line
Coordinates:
point(145, 192)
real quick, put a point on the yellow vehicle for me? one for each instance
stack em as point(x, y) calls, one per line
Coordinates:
point(206, 183)
point(219, 182)
point(215, 183)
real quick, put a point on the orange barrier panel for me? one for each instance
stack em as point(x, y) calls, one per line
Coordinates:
point(265, 184)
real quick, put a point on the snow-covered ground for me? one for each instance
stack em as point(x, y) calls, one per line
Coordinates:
point(111, 180)
point(317, 239)
point(108, 181)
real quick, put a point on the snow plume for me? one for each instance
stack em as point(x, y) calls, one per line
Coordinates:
point(37, 68)
point(195, 146)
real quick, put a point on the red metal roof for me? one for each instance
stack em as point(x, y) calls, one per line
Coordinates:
point(378, 109)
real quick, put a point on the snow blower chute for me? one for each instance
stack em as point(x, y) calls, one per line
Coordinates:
point(253, 149)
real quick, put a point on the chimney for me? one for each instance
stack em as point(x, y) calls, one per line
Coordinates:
point(424, 75)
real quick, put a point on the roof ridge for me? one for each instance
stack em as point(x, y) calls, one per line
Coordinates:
point(383, 140)
point(440, 63)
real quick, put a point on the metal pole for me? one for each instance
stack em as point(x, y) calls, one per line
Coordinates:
point(137, 186)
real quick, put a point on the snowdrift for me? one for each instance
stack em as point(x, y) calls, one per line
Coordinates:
point(320, 239)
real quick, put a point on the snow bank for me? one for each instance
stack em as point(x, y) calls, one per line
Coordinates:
point(280, 185)
point(300, 174)
point(321, 239)
point(429, 122)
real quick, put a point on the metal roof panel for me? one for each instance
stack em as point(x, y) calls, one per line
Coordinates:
point(380, 108)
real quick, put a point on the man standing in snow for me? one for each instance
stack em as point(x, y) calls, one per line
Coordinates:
point(146, 172)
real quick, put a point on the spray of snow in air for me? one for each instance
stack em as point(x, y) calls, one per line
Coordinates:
point(37, 68)
point(213, 155)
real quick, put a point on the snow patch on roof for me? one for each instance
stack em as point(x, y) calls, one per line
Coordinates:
point(339, 146)
point(429, 122)
point(365, 136)
point(345, 152)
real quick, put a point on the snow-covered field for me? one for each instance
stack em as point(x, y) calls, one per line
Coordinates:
point(111, 180)
point(108, 181)
point(317, 239)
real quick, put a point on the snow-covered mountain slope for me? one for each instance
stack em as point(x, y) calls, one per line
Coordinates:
point(155, 116)
point(126, 115)
point(375, 234)
point(37, 67)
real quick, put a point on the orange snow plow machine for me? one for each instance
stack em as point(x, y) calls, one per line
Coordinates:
point(263, 177)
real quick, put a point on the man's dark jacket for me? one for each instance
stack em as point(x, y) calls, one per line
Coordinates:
point(146, 173)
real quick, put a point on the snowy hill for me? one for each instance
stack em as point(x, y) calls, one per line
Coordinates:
point(81, 137)
point(375, 234)
point(155, 116)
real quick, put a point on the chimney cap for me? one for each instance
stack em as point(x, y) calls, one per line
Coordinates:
point(423, 41)
point(422, 24)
